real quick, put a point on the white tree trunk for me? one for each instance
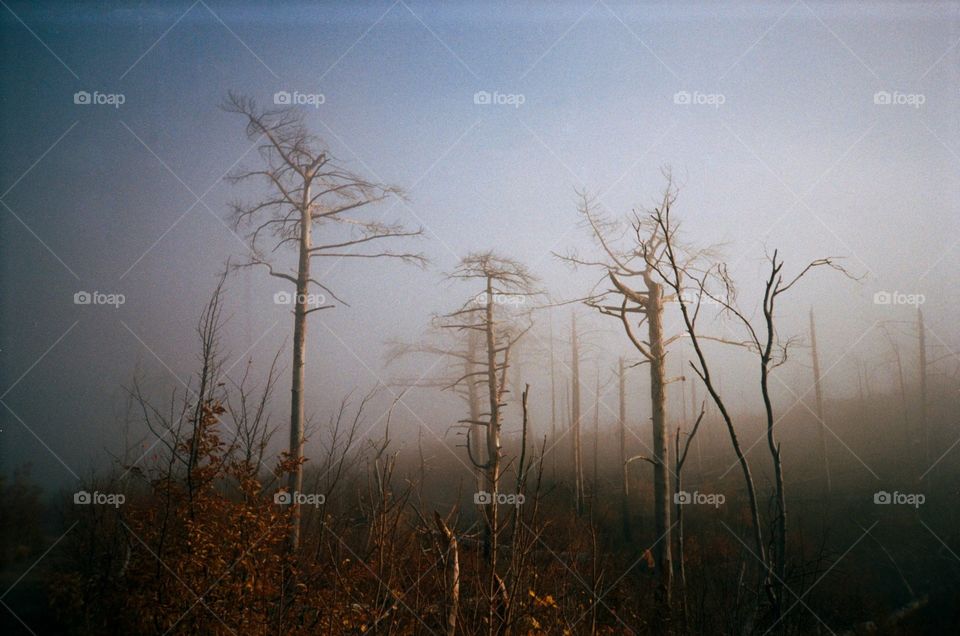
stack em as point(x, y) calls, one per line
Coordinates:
point(295, 484)
point(661, 469)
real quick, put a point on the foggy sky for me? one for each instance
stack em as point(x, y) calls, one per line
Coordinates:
point(798, 157)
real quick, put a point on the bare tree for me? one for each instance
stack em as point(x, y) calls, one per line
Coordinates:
point(251, 414)
point(902, 383)
point(596, 435)
point(553, 398)
point(505, 284)
point(575, 415)
point(818, 390)
point(625, 474)
point(664, 264)
point(622, 265)
point(450, 557)
point(680, 459)
point(772, 352)
point(315, 205)
point(922, 348)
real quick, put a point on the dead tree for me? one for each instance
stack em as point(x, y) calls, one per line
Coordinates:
point(772, 352)
point(450, 558)
point(922, 346)
point(596, 436)
point(315, 205)
point(495, 314)
point(625, 475)
point(818, 391)
point(553, 399)
point(646, 251)
point(680, 458)
point(902, 383)
point(575, 415)
point(622, 265)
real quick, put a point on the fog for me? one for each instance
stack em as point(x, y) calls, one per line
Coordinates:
point(817, 130)
point(797, 157)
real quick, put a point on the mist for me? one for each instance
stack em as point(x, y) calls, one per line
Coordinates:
point(563, 143)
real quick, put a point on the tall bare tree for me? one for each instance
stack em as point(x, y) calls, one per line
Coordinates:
point(626, 266)
point(494, 312)
point(675, 270)
point(315, 205)
point(772, 352)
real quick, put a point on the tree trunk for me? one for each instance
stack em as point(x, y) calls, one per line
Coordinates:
point(819, 393)
point(661, 470)
point(625, 489)
point(575, 416)
point(493, 430)
point(694, 408)
point(681, 558)
point(295, 483)
point(778, 565)
point(451, 573)
point(473, 397)
point(596, 437)
point(924, 432)
point(553, 402)
point(907, 436)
